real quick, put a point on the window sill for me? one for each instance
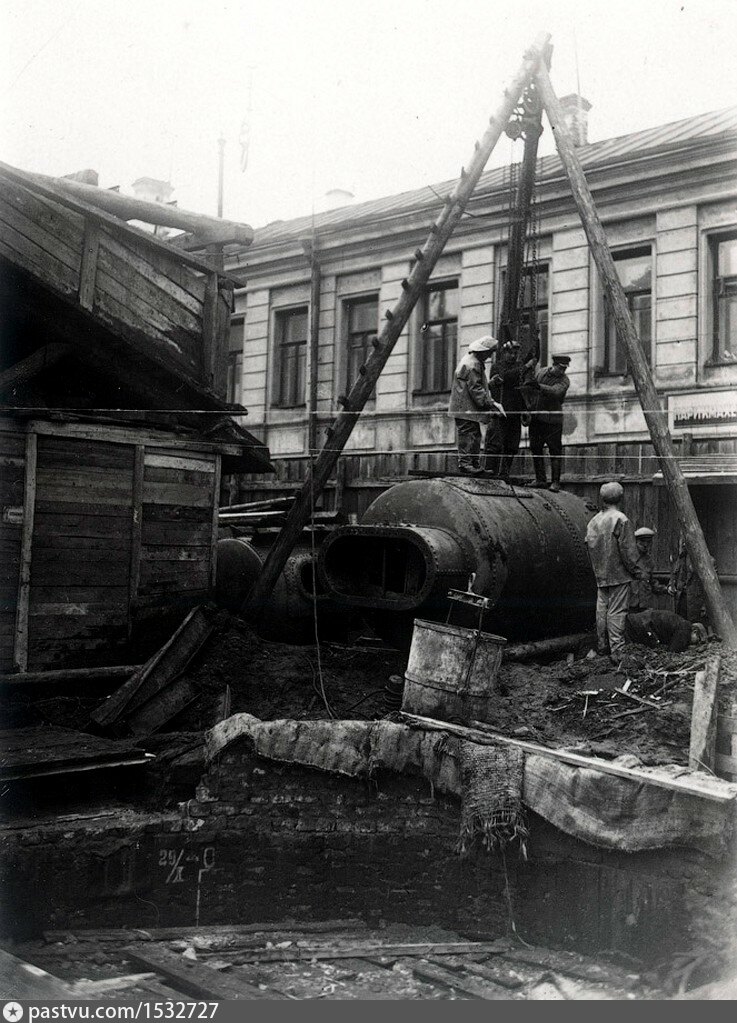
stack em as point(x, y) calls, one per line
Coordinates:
point(720, 363)
point(287, 408)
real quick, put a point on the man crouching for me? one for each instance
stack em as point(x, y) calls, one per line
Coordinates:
point(471, 404)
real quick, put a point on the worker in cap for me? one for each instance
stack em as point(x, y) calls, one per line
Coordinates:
point(643, 590)
point(546, 423)
point(613, 552)
point(471, 405)
point(506, 376)
point(655, 628)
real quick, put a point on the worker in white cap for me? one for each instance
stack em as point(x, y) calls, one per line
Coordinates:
point(471, 405)
point(644, 589)
point(613, 553)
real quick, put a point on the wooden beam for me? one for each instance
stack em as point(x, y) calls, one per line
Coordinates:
point(116, 673)
point(20, 649)
point(655, 416)
point(702, 746)
point(19, 979)
point(313, 343)
point(348, 949)
point(412, 289)
point(195, 979)
point(88, 269)
point(690, 785)
point(209, 330)
point(134, 570)
point(215, 522)
point(126, 207)
point(32, 365)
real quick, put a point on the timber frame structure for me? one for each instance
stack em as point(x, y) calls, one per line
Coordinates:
point(113, 428)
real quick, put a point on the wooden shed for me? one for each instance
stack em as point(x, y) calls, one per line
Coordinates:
point(113, 434)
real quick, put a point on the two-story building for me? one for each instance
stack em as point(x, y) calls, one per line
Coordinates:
point(668, 199)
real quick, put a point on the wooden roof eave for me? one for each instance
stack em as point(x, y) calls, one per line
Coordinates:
point(111, 221)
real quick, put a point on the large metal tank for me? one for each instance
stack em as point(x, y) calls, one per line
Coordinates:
point(420, 538)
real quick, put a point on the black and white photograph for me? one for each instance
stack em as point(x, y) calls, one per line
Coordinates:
point(368, 503)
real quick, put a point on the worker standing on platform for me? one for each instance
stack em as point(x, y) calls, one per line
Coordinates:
point(471, 404)
point(546, 426)
point(644, 588)
point(506, 376)
point(613, 553)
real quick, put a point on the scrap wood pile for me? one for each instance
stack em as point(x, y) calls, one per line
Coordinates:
point(331, 959)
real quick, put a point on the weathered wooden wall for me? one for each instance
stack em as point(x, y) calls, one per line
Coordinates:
point(107, 525)
point(131, 283)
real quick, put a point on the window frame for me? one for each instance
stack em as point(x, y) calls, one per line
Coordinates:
point(715, 349)
point(280, 316)
point(603, 368)
point(419, 392)
point(347, 303)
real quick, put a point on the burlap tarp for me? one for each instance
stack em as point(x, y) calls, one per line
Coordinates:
point(600, 809)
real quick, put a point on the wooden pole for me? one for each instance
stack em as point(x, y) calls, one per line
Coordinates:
point(655, 417)
point(412, 287)
point(313, 342)
point(210, 230)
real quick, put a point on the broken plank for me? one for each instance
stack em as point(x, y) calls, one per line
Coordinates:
point(702, 745)
point(363, 949)
point(436, 973)
point(690, 784)
point(193, 978)
point(122, 934)
point(22, 678)
point(166, 664)
point(501, 973)
point(82, 988)
point(19, 979)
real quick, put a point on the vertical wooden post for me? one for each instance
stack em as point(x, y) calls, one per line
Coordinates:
point(412, 287)
point(313, 346)
point(20, 651)
point(656, 418)
point(214, 533)
point(702, 746)
point(210, 330)
point(134, 571)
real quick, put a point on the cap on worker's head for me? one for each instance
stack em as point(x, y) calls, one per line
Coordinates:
point(561, 360)
point(644, 532)
point(483, 344)
point(611, 493)
point(700, 630)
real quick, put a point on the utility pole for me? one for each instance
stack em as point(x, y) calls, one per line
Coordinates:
point(425, 259)
point(221, 173)
point(655, 417)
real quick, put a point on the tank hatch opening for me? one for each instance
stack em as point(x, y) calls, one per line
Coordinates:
point(394, 567)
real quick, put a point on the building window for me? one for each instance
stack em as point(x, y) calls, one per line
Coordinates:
point(438, 345)
point(535, 297)
point(360, 319)
point(234, 385)
point(234, 382)
point(635, 269)
point(291, 357)
point(724, 297)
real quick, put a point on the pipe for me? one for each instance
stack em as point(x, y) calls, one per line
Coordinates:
point(545, 647)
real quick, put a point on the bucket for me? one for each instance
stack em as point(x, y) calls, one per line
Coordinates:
point(452, 672)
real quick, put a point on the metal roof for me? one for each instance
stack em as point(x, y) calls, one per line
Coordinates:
point(690, 132)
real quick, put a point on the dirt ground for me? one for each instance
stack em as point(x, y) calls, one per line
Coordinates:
point(569, 703)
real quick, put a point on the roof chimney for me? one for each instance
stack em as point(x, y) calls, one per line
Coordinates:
point(576, 114)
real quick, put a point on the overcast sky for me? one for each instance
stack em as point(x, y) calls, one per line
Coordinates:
point(375, 96)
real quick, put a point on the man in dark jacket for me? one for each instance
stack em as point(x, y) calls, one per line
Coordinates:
point(506, 376)
point(643, 589)
point(471, 404)
point(546, 426)
point(663, 628)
